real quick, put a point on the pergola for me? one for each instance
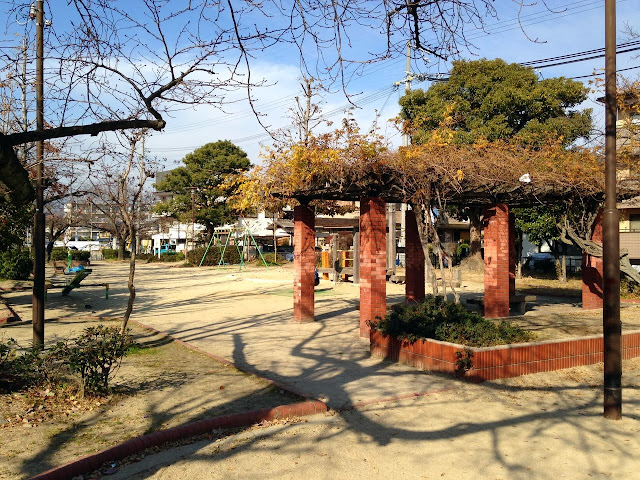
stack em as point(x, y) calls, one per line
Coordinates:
point(499, 247)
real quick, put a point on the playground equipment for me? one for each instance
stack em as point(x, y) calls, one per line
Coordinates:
point(242, 236)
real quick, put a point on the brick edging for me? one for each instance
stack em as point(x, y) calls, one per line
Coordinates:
point(500, 361)
point(8, 319)
point(201, 427)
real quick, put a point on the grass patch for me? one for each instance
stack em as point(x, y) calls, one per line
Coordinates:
point(142, 350)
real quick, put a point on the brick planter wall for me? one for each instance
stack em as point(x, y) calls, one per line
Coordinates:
point(502, 361)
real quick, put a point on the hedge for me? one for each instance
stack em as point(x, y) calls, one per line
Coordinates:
point(60, 253)
point(231, 256)
point(16, 264)
point(112, 254)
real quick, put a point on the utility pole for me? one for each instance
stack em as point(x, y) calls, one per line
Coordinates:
point(611, 326)
point(23, 88)
point(408, 77)
point(38, 230)
point(193, 219)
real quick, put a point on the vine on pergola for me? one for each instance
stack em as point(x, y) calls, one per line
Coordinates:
point(347, 164)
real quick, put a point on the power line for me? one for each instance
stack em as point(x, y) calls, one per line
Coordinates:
point(596, 74)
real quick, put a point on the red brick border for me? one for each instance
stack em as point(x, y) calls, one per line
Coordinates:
point(502, 361)
point(201, 427)
point(8, 314)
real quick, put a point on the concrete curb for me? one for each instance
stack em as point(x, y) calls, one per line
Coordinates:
point(135, 445)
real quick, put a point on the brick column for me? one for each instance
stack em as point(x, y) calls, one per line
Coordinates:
point(373, 261)
point(304, 259)
point(592, 272)
point(414, 260)
point(512, 255)
point(497, 255)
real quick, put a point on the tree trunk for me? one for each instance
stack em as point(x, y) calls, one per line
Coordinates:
point(121, 246)
point(475, 235)
point(424, 241)
point(519, 241)
point(132, 272)
point(49, 250)
point(275, 241)
point(563, 270)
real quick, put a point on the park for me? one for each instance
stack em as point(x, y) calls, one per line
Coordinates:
point(452, 291)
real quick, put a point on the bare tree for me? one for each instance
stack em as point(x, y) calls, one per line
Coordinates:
point(119, 182)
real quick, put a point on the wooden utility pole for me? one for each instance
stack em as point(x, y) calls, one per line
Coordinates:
point(38, 230)
point(612, 328)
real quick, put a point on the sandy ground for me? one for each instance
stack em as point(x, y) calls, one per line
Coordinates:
point(547, 427)
point(161, 385)
point(391, 420)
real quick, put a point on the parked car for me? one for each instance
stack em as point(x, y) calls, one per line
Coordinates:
point(166, 248)
point(541, 261)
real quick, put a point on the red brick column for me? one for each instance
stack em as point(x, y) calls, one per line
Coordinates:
point(592, 272)
point(512, 255)
point(497, 254)
point(304, 259)
point(414, 260)
point(373, 261)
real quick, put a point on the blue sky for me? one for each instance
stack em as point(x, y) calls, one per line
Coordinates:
point(571, 26)
point(577, 26)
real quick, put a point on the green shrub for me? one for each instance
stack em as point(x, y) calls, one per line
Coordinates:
point(112, 254)
point(16, 264)
point(442, 320)
point(270, 257)
point(166, 257)
point(60, 253)
point(22, 370)
point(231, 256)
point(95, 355)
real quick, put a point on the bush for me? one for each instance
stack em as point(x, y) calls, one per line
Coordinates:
point(60, 254)
point(164, 257)
point(231, 256)
point(270, 259)
point(95, 355)
point(16, 264)
point(442, 320)
point(112, 254)
point(24, 370)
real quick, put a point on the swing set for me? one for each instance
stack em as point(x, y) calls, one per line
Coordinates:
point(242, 236)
